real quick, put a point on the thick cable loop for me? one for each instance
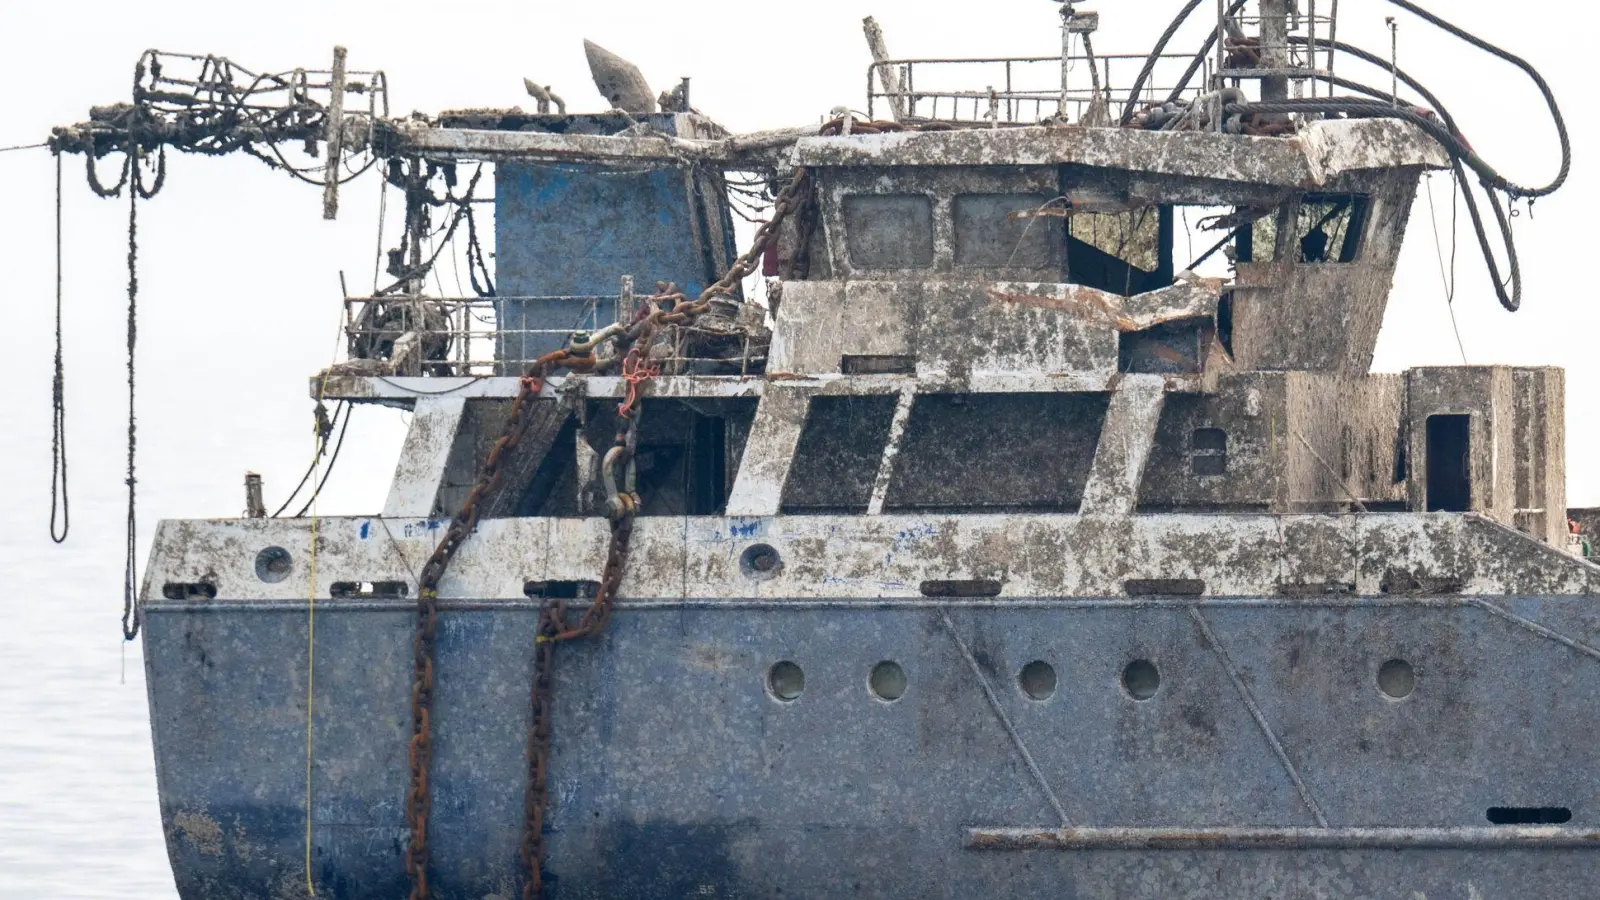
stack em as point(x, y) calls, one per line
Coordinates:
point(1460, 154)
point(1448, 134)
point(1155, 55)
point(1510, 188)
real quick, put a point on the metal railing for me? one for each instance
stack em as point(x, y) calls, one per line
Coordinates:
point(484, 336)
point(1304, 61)
point(443, 336)
point(1022, 90)
point(1092, 89)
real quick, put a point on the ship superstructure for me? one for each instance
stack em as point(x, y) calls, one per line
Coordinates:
point(1018, 545)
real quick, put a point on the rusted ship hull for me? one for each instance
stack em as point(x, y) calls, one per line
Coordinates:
point(1268, 754)
point(1033, 527)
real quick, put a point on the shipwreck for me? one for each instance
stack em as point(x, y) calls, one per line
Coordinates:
point(1014, 514)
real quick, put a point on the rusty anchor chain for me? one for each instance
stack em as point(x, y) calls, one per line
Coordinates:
point(633, 340)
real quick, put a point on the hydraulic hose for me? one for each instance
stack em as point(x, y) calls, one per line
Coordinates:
point(1155, 54)
point(1201, 55)
point(1443, 129)
point(1514, 190)
point(1460, 155)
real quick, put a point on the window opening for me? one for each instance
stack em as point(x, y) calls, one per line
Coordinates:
point(686, 454)
point(1168, 348)
point(996, 231)
point(889, 231)
point(1329, 227)
point(836, 460)
point(1208, 449)
point(1258, 243)
point(553, 489)
point(1449, 468)
point(996, 452)
point(1214, 238)
point(1225, 322)
point(1124, 252)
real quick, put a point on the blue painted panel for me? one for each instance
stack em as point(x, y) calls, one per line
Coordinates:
point(575, 230)
point(675, 774)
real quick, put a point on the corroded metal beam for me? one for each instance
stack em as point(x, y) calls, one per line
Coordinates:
point(1118, 838)
point(1319, 153)
point(404, 390)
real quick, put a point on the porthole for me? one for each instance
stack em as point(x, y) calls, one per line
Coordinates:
point(1037, 680)
point(786, 681)
point(1397, 679)
point(760, 561)
point(887, 681)
point(273, 564)
point(1141, 679)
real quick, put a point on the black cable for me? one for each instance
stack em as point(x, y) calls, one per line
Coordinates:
point(1448, 135)
point(1387, 66)
point(1544, 88)
point(332, 461)
point(463, 210)
point(1155, 54)
point(58, 403)
point(1460, 155)
point(475, 260)
point(1200, 57)
point(1513, 300)
point(322, 449)
point(1452, 142)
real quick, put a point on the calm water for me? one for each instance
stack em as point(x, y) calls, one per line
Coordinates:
point(78, 812)
point(217, 397)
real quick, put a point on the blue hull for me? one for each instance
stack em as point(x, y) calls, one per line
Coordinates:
point(677, 773)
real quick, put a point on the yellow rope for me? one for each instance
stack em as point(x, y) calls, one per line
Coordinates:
point(311, 598)
point(311, 672)
point(311, 627)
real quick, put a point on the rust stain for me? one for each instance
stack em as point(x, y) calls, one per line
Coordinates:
point(1093, 306)
point(201, 830)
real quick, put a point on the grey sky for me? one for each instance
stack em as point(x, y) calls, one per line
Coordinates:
point(239, 275)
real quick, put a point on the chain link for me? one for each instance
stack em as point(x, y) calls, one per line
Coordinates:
point(633, 341)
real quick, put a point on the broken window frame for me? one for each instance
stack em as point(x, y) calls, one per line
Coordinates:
point(1351, 239)
point(1137, 214)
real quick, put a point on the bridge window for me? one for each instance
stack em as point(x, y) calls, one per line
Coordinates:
point(889, 231)
point(836, 461)
point(1329, 227)
point(1007, 231)
point(1124, 252)
point(963, 453)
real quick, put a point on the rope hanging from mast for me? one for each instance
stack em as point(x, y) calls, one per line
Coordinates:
point(58, 403)
point(130, 587)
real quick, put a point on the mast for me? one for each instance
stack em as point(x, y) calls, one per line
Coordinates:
point(1275, 50)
